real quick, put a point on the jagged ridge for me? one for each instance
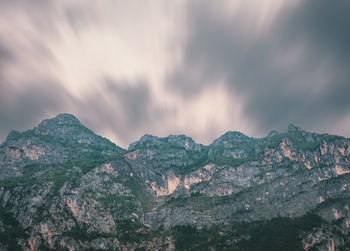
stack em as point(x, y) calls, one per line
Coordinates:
point(63, 187)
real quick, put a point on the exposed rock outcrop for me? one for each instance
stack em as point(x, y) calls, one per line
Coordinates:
point(63, 187)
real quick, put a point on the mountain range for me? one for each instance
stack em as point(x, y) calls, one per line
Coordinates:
point(62, 187)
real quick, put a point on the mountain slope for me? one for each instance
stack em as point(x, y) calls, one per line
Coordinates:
point(57, 140)
point(63, 187)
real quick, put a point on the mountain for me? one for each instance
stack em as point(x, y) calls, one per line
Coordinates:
point(62, 187)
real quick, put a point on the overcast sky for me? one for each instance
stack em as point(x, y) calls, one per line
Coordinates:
point(200, 68)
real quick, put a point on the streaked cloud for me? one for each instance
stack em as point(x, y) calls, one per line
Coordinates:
point(294, 68)
point(160, 67)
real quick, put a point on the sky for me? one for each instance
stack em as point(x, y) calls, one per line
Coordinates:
point(199, 68)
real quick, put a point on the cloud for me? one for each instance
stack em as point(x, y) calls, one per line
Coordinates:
point(28, 91)
point(121, 110)
point(21, 109)
point(199, 67)
point(54, 57)
point(5, 55)
point(294, 69)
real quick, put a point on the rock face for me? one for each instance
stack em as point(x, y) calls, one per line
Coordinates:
point(63, 187)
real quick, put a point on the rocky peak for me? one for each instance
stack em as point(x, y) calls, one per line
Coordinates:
point(146, 140)
point(64, 128)
point(50, 126)
point(232, 137)
point(54, 140)
point(66, 118)
point(293, 128)
point(54, 196)
point(67, 127)
point(182, 141)
point(150, 141)
point(13, 135)
point(272, 133)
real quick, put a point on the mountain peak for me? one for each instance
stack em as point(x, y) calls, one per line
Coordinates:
point(146, 140)
point(148, 137)
point(172, 138)
point(183, 141)
point(13, 135)
point(62, 126)
point(293, 128)
point(175, 140)
point(233, 137)
point(67, 127)
point(272, 133)
point(64, 118)
point(167, 187)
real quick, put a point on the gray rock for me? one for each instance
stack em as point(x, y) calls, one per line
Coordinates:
point(63, 187)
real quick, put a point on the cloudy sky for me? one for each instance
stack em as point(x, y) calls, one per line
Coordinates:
point(200, 68)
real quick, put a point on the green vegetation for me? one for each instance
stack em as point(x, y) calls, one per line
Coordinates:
point(340, 201)
point(128, 231)
point(299, 140)
point(131, 231)
point(12, 232)
point(331, 138)
point(196, 201)
point(80, 233)
point(119, 205)
point(276, 234)
point(59, 173)
point(274, 141)
point(173, 155)
point(336, 180)
point(217, 154)
point(107, 145)
point(189, 238)
point(191, 160)
point(254, 148)
point(296, 138)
